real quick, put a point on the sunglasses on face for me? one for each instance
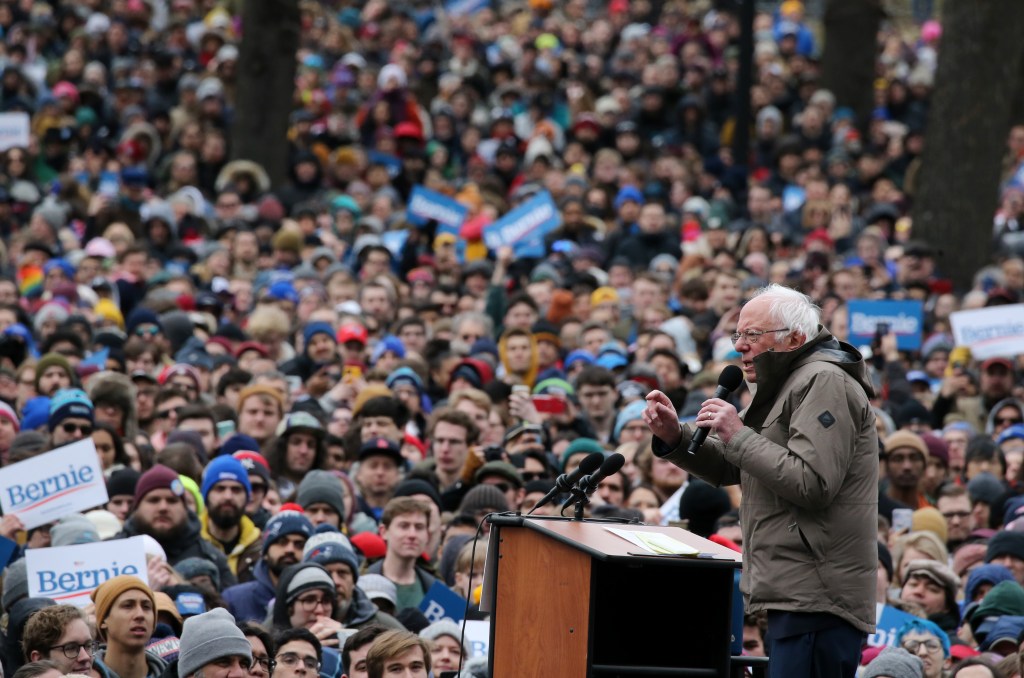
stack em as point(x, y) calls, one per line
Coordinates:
point(70, 428)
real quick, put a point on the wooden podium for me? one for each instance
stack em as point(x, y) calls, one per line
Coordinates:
point(569, 600)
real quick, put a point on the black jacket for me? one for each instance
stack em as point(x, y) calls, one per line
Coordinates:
point(187, 544)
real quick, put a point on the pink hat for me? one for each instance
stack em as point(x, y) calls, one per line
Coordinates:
point(7, 412)
point(65, 89)
point(100, 248)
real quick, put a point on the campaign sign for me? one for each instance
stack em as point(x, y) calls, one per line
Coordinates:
point(14, 130)
point(478, 637)
point(48, 487)
point(904, 318)
point(997, 331)
point(440, 602)
point(465, 7)
point(426, 205)
point(888, 621)
point(395, 241)
point(69, 574)
point(525, 227)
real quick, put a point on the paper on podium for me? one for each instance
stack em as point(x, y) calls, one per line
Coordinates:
point(655, 542)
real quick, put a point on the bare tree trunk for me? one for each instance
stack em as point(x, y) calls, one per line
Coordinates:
point(975, 85)
point(848, 63)
point(266, 80)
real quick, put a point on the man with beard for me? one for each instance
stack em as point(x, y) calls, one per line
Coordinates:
point(226, 491)
point(283, 540)
point(352, 606)
point(160, 511)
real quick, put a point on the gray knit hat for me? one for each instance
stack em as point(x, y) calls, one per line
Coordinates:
point(894, 662)
point(322, 486)
point(311, 577)
point(210, 636)
point(198, 567)
point(73, 529)
point(15, 584)
point(378, 586)
point(483, 498)
point(331, 547)
point(444, 627)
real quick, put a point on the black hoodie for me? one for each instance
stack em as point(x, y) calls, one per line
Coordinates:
point(187, 544)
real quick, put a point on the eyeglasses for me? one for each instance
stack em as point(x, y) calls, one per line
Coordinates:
point(292, 659)
point(504, 487)
point(257, 487)
point(310, 603)
point(956, 514)
point(930, 644)
point(527, 476)
point(753, 336)
point(164, 414)
point(266, 663)
point(72, 650)
point(70, 427)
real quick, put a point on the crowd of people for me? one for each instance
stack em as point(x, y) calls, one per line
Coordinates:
point(306, 401)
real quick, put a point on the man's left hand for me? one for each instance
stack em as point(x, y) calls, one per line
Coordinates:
point(721, 417)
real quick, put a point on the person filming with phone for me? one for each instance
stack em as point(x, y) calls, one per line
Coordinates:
point(805, 453)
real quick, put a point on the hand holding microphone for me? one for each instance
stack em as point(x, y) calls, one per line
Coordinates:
point(717, 413)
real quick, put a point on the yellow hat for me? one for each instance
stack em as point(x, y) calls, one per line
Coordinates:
point(108, 310)
point(443, 239)
point(604, 295)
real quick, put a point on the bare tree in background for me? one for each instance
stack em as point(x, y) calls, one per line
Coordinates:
point(851, 50)
point(978, 77)
point(266, 80)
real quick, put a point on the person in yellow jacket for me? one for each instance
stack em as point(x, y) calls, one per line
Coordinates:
point(226, 491)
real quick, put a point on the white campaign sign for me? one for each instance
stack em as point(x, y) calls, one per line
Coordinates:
point(69, 574)
point(46, 488)
point(997, 331)
point(478, 638)
point(14, 130)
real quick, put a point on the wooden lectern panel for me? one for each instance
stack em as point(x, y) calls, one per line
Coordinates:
point(542, 607)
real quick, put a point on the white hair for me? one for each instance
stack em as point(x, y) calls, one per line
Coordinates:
point(791, 309)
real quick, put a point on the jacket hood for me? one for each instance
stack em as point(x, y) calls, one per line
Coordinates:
point(990, 422)
point(773, 367)
point(361, 609)
point(279, 613)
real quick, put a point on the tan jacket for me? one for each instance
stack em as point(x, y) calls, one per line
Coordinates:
point(807, 460)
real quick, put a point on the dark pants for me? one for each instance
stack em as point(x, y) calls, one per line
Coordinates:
point(812, 646)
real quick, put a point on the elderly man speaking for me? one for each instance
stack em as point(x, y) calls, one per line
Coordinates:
point(805, 453)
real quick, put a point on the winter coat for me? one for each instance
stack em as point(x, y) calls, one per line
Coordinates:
point(249, 601)
point(250, 542)
point(154, 664)
point(807, 460)
point(187, 544)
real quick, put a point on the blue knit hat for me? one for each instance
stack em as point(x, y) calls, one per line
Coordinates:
point(225, 468)
point(405, 375)
point(578, 355)
point(924, 626)
point(315, 328)
point(631, 412)
point(69, 402)
point(237, 443)
point(35, 413)
point(391, 344)
point(284, 523)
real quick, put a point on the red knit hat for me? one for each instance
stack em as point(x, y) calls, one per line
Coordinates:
point(159, 477)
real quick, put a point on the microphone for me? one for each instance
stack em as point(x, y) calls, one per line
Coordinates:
point(588, 484)
point(728, 381)
point(566, 481)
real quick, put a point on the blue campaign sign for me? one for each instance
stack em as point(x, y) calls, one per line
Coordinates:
point(465, 7)
point(905, 318)
point(888, 622)
point(394, 241)
point(525, 227)
point(426, 205)
point(440, 602)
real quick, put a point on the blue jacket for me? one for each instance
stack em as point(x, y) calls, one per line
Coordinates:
point(250, 601)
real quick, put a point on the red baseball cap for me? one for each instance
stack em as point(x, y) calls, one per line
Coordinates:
point(353, 332)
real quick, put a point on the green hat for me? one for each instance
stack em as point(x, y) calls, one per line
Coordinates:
point(580, 446)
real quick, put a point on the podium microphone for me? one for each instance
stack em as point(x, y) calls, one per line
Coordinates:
point(588, 484)
point(566, 481)
point(728, 381)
